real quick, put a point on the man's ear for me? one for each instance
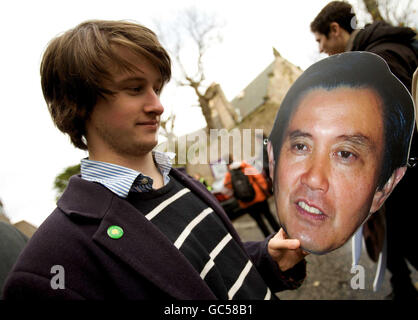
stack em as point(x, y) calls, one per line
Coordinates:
point(271, 160)
point(334, 28)
point(381, 195)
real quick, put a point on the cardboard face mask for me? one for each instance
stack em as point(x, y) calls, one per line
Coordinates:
point(339, 146)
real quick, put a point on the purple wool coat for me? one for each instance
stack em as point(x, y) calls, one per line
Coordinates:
point(142, 264)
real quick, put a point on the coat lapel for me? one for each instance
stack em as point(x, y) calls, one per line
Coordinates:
point(143, 247)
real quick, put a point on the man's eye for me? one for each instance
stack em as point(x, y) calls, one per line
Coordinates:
point(135, 89)
point(299, 147)
point(157, 91)
point(346, 155)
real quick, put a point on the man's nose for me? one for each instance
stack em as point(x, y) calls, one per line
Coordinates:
point(153, 103)
point(316, 175)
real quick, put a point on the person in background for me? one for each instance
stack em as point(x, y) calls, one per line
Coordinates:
point(335, 31)
point(257, 207)
point(12, 242)
point(202, 180)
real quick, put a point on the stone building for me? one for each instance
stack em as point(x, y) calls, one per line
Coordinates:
point(253, 109)
point(256, 106)
point(26, 228)
point(23, 226)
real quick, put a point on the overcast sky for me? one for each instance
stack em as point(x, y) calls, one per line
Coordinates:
point(33, 151)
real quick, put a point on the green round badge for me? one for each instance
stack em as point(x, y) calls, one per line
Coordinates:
point(115, 232)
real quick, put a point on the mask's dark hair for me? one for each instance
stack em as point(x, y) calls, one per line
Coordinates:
point(335, 11)
point(357, 70)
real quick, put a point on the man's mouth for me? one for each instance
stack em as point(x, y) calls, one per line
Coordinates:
point(309, 209)
point(310, 213)
point(150, 123)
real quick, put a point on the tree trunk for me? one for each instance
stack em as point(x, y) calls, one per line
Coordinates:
point(203, 102)
point(207, 113)
point(373, 9)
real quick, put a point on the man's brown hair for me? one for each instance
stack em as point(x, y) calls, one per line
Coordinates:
point(335, 11)
point(76, 64)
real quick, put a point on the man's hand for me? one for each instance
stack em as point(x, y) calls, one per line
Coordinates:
point(286, 252)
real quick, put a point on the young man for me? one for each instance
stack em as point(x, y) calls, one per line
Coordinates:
point(335, 31)
point(338, 148)
point(132, 227)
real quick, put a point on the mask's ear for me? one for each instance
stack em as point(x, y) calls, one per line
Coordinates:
point(381, 195)
point(271, 160)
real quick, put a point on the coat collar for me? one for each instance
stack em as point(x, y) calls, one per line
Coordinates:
point(92, 200)
point(140, 241)
point(85, 199)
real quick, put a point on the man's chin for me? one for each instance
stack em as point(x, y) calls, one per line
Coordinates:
point(137, 150)
point(309, 244)
point(316, 251)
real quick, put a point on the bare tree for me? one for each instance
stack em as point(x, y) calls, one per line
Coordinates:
point(167, 129)
point(395, 12)
point(3, 215)
point(167, 126)
point(373, 8)
point(188, 39)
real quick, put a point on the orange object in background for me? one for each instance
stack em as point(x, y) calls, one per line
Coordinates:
point(257, 181)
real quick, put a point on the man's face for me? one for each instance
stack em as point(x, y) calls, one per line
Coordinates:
point(328, 167)
point(329, 45)
point(126, 124)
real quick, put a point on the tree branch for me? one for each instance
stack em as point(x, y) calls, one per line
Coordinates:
point(373, 9)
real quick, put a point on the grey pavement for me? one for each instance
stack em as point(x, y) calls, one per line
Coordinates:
point(328, 276)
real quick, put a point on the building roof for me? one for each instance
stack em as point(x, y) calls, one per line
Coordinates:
point(254, 94)
point(26, 228)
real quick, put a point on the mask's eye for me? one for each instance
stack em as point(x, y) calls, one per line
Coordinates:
point(299, 147)
point(346, 156)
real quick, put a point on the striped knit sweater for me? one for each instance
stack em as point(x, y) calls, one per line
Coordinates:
point(202, 238)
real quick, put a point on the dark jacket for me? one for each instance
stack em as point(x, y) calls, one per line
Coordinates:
point(12, 242)
point(394, 45)
point(142, 264)
point(391, 43)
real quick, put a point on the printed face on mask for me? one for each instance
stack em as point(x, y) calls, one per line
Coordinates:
point(328, 167)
